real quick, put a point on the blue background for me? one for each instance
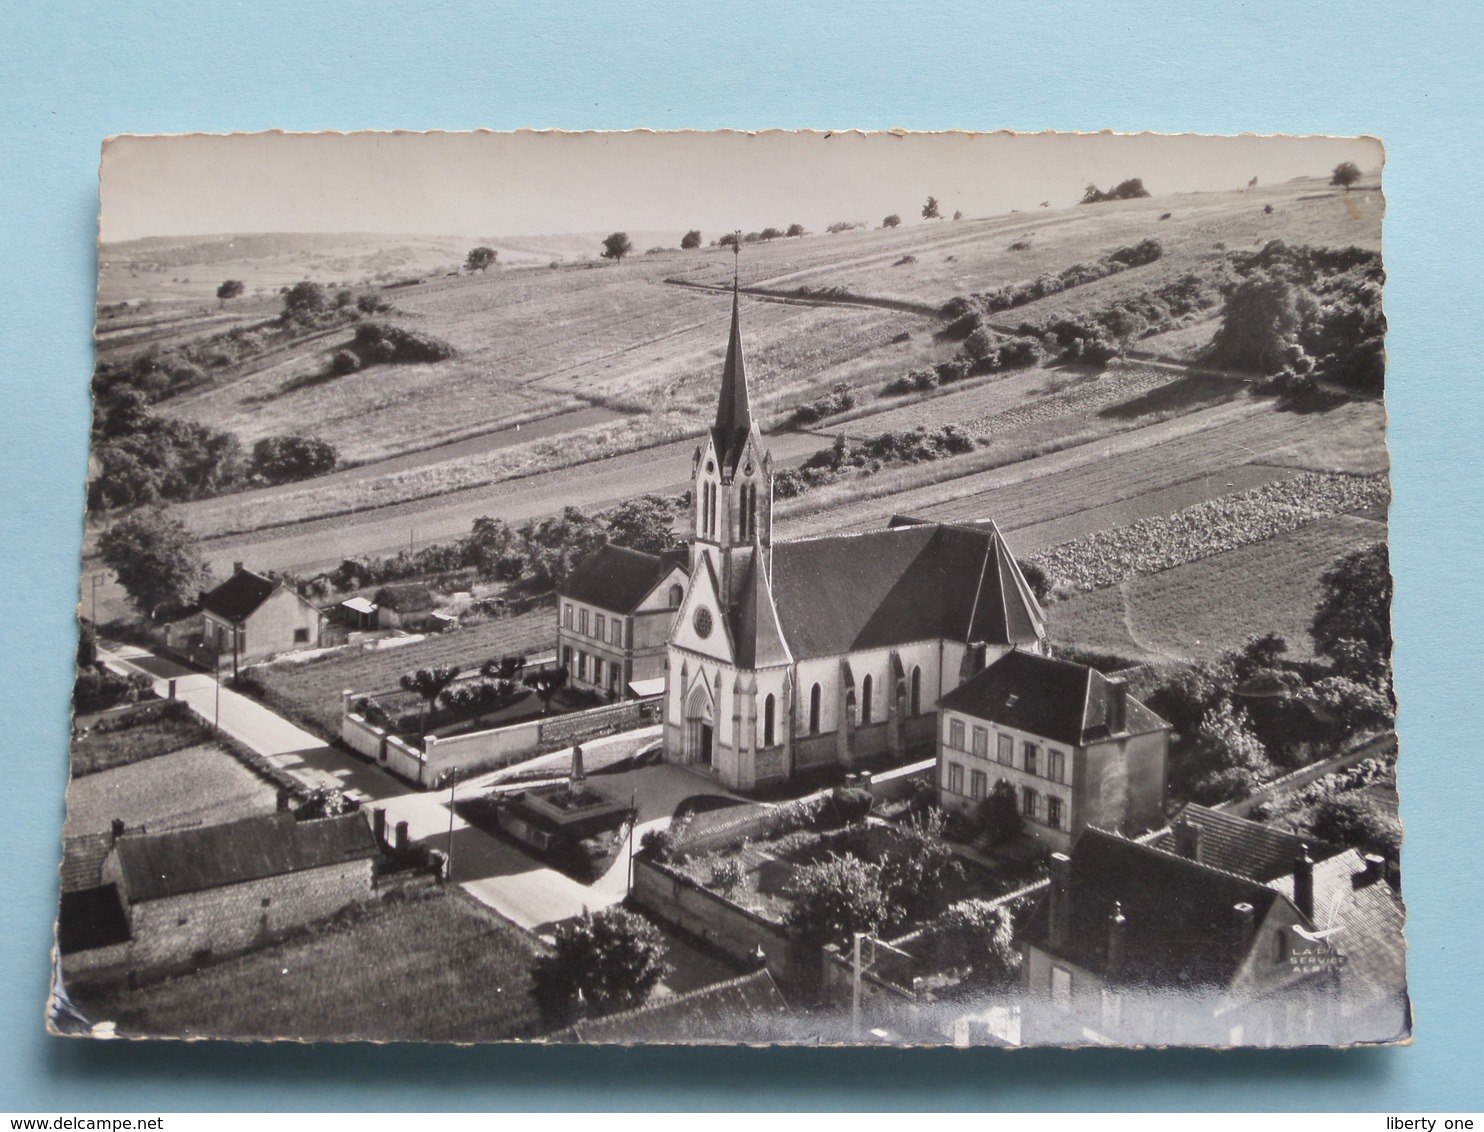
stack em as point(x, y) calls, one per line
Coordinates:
point(70, 74)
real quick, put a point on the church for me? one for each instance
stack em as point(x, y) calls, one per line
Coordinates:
point(791, 656)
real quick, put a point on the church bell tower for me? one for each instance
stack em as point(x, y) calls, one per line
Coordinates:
point(732, 496)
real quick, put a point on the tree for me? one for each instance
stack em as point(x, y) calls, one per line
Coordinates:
point(614, 958)
point(999, 813)
point(795, 230)
point(1036, 578)
point(230, 290)
point(1227, 761)
point(1345, 174)
point(557, 543)
point(481, 259)
point(429, 684)
point(691, 239)
point(154, 558)
point(1262, 319)
point(1352, 621)
point(506, 667)
point(958, 214)
point(728, 241)
point(1358, 822)
point(546, 683)
point(835, 898)
point(303, 301)
point(891, 221)
point(769, 234)
point(646, 523)
point(282, 459)
point(616, 246)
point(977, 939)
point(930, 210)
point(912, 873)
point(494, 549)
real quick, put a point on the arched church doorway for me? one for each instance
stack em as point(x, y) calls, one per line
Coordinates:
point(700, 735)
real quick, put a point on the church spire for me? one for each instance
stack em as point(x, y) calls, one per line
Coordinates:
point(734, 411)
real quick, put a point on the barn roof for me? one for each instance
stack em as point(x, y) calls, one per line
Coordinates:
point(1055, 699)
point(617, 578)
point(883, 588)
point(192, 860)
point(1239, 845)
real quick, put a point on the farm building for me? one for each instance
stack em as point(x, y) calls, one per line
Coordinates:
point(615, 613)
point(216, 890)
point(1074, 746)
point(249, 617)
point(790, 657)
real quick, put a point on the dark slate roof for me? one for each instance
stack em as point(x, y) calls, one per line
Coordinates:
point(1056, 699)
point(191, 860)
point(1181, 928)
point(82, 860)
point(1239, 845)
point(741, 1010)
point(1369, 919)
point(883, 588)
point(239, 597)
point(617, 578)
point(91, 917)
point(757, 636)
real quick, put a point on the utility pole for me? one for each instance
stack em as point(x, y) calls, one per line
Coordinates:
point(453, 782)
point(855, 987)
point(633, 821)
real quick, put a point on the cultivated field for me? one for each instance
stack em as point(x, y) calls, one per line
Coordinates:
point(310, 692)
point(202, 785)
point(369, 975)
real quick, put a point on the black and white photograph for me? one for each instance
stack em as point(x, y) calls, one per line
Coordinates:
point(827, 588)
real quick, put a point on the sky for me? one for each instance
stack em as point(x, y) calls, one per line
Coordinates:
point(545, 183)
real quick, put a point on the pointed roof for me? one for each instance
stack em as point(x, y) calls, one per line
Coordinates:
point(755, 626)
point(734, 409)
point(616, 578)
point(240, 596)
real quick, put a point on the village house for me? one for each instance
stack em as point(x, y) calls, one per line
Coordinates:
point(790, 657)
point(203, 893)
point(1076, 748)
point(250, 618)
point(1135, 945)
point(615, 613)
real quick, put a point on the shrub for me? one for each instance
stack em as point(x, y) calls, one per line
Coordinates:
point(999, 814)
point(283, 459)
point(835, 898)
point(1358, 822)
point(97, 689)
point(726, 875)
point(614, 958)
point(851, 804)
point(344, 362)
point(840, 398)
point(977, 939)
point(658, 845)
point(379, 342)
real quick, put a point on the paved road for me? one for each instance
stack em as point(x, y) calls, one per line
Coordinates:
point(493, 871)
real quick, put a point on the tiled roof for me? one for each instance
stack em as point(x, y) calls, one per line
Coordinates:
point(90, 917)
point(82, 860)
point(1239, 845)
point(1056, 699)
point(191, 860)
point(1367, 919)
point(890, 587)
point(617, 578)
point(239, 597)
point(1181, 927)
point(745, 1009)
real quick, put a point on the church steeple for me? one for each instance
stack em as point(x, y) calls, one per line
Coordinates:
point(734, 410)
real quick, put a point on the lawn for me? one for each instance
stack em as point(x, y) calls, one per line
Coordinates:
point(309, 693)
point(199, 785)
point(128, 737)
point(1202, 608)
point(439, 967)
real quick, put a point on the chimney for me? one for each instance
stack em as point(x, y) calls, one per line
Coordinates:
point(1375, 869)
point(283, 800)
point(1246, 918)
point(1303, 883)
point(401, 837)
point(237, 567)
point(1117, 705)
point(378, 824)
point(116, 829)
point(1188, 839)
point(1060, 919)
point(1117, 940)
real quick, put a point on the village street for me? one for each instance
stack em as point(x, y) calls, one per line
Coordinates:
point(493, 871)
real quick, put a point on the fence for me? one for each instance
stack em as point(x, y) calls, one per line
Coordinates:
point(486, 750)
point(1368, 748)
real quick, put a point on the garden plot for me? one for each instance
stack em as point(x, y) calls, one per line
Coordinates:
point(368, 974)
point(201, 785)
point(1202, 608)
